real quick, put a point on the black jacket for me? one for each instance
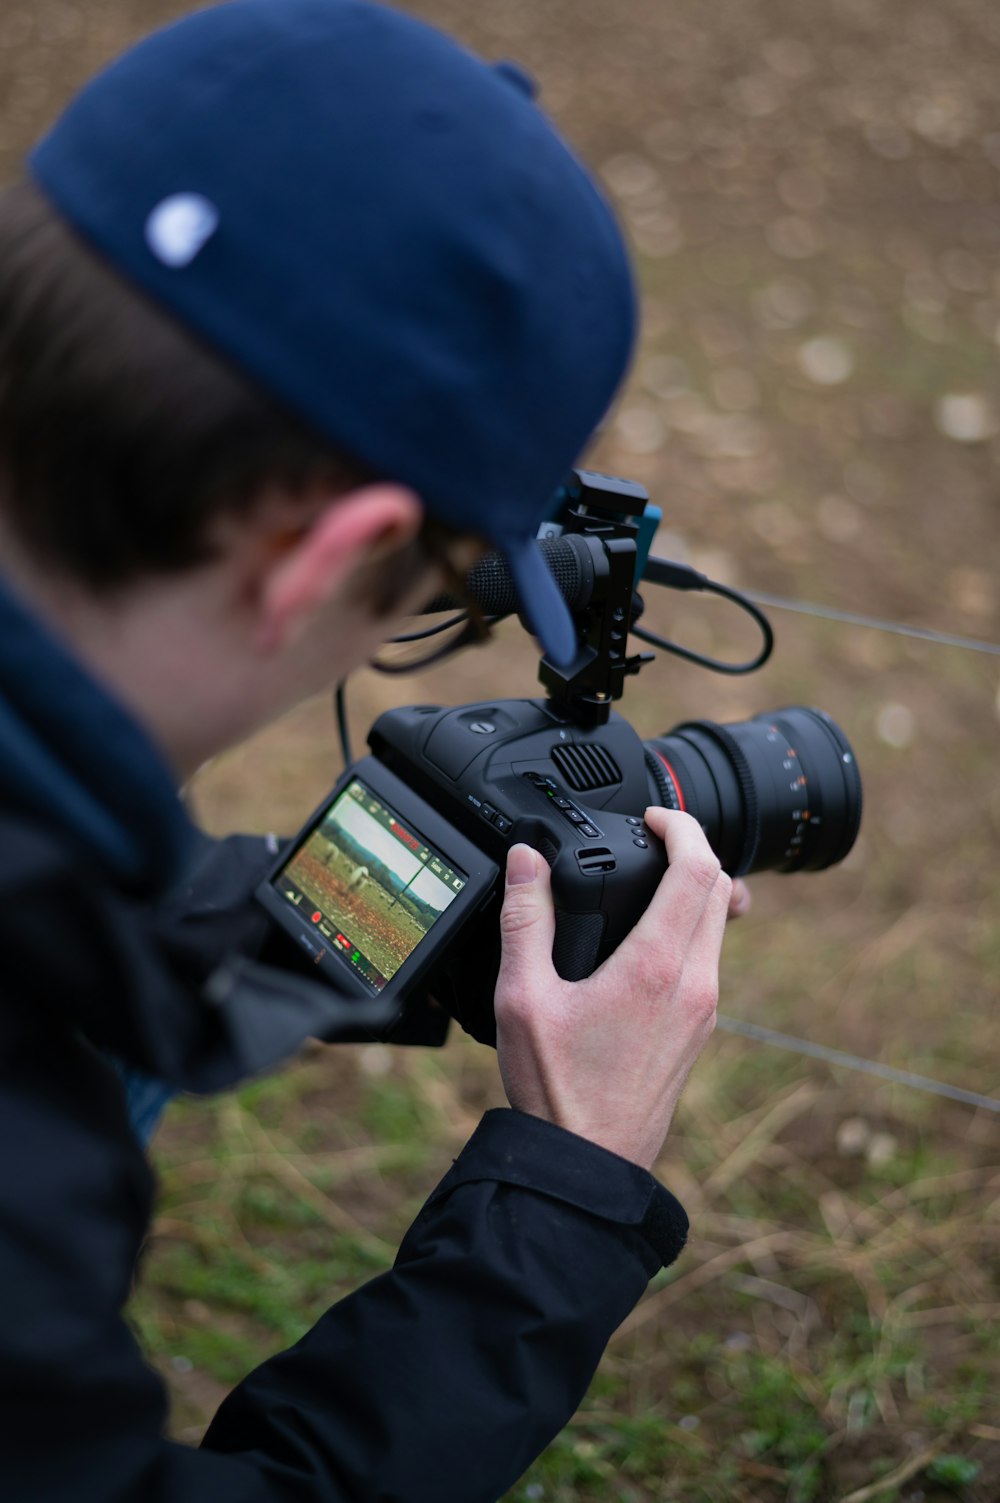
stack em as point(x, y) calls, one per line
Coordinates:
point(437, 1382)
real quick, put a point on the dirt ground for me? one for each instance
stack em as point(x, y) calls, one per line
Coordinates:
point(813, 194)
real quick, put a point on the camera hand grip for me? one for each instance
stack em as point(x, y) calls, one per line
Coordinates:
point(577, 943)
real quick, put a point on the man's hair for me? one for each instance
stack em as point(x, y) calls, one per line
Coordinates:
point(123, 438)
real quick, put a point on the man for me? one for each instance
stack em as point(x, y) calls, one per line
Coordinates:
point(300, 303)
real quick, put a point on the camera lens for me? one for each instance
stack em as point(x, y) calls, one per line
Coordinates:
point(781, 792)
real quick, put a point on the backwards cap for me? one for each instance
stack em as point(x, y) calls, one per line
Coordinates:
point(380, 229)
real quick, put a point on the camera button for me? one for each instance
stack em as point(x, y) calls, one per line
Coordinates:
point(575, 817)
point(631, 820)
point(642, 844)
point(488, 812)
point(503, 824)
point(562, 803)
point(589, 831)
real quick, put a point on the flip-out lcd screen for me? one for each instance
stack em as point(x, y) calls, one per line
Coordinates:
point(368, 885)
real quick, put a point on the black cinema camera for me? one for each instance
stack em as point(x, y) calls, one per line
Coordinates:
point(392, 891)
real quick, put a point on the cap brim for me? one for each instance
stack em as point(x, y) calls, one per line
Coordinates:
point(542, 606)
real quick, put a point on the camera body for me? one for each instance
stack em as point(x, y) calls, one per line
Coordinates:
point(464, 784)
point(454, 788)
point(518, 770)
point(393, 889)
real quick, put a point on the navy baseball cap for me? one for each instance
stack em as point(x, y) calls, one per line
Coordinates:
point(383, 231)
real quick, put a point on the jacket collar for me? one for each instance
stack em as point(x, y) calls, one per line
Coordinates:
point(72, 757)
point(94, 823)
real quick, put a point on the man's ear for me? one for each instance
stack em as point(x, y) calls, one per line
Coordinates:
point(349, 532)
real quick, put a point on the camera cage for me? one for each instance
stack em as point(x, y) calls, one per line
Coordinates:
point(597, 545)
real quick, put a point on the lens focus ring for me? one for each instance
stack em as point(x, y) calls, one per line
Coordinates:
point(780, 792)
point(741, 767)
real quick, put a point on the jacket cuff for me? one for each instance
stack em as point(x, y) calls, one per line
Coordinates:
point(516, 1149)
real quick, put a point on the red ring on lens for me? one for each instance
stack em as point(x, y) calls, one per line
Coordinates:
point(679, 792)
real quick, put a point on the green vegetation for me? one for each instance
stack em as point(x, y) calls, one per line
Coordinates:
point(954, 1471)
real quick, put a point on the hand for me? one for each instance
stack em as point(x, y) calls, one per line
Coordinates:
point(607, 1057)
point(740, 901)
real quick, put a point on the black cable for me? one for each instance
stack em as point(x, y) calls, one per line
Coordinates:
point(340, 711)
point(658, 571)
point(339, 695)
point(431, 631)
point(674, 576)
point(471, 634)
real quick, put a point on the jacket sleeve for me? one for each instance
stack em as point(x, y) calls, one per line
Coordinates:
point(212, 910)
point(440, 1380)
point(435, 1383)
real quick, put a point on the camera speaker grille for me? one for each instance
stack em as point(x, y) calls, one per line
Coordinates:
point(585, 765)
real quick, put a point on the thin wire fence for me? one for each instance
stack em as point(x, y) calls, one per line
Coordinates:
point(851, 618)
point(839, 1058)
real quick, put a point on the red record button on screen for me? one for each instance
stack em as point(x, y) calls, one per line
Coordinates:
point(317, 917)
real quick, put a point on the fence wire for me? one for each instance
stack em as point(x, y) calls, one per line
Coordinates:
point(895, 628)
point(806, 1047)
point(839, 1058)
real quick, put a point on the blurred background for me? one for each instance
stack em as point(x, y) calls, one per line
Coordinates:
point(813, 195)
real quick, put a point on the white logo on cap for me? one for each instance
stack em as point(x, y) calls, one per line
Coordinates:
point(179, 227)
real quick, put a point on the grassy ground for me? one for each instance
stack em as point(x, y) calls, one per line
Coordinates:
point(833, 1323)
point(812, 190)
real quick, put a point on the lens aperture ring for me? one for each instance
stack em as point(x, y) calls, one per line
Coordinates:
point(744, 775)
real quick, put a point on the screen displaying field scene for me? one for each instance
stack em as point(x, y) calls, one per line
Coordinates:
point(368, 885)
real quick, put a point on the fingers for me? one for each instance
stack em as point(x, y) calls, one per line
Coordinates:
point(689, 959)
point(691, 879)
point(701, 963)
point(527, 922)
point(700, 982)
point(740, 901)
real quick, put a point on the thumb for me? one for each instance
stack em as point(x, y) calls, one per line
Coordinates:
point(527, 919)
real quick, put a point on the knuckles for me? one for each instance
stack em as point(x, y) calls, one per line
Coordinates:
point(696, 859)
point(510, 1004)
point(684, 825)
point(704, 871)
point(647, 967)
point(703, 1000)
point(519, 912)
point(526, 1008)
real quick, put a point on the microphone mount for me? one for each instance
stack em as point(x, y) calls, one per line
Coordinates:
point(600, 521)
point(591, 550)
